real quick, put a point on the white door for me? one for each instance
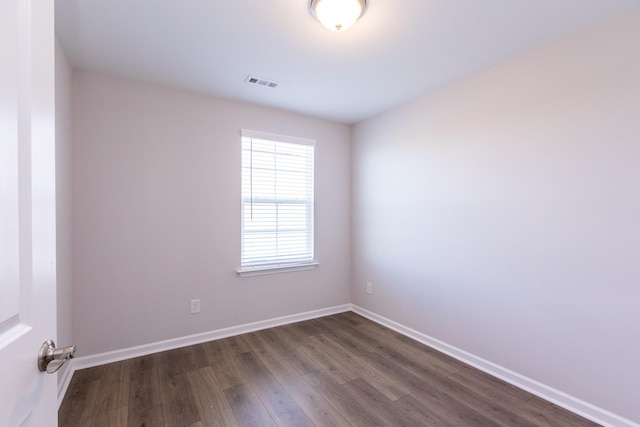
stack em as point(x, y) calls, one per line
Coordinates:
point(27, 211)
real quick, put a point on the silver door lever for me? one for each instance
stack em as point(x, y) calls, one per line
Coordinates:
point(50, 358)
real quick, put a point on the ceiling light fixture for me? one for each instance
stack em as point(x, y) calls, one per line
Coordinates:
point(337, 15)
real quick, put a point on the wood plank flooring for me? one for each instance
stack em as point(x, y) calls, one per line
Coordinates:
point(340, 370)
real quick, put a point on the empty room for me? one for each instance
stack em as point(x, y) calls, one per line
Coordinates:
point(320, 212)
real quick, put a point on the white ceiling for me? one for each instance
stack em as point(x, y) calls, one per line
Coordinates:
point(398, 50)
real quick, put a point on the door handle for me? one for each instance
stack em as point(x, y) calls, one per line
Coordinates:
point(50, 358)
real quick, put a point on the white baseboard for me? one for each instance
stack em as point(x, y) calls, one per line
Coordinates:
point(142, 350)
point(575, 405)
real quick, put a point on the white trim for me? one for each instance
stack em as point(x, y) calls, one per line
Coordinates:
point(570, 403)
point(246, 133)
point(64, 379)
point(276, 268)
point(143, 350)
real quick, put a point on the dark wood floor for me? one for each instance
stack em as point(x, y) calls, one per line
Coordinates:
point(340, 370)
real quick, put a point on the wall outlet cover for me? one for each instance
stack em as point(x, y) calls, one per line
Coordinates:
point(195, 306)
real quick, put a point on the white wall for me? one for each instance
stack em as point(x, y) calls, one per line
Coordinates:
point(63, 198)
point(156, 213)
point(501, 215)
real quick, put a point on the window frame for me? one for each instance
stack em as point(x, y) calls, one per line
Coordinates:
point(278, 265)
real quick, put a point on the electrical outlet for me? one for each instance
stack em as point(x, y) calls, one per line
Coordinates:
point(369, 288)
point(195, 306)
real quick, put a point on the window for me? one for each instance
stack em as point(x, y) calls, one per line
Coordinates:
point(277, 203)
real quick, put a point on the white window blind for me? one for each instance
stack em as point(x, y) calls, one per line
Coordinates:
point(277, 200)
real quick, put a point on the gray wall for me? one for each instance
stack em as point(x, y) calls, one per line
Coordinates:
point(501, 214)
point(156, 213)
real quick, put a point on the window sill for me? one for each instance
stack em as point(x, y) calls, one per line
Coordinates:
point(274, 269)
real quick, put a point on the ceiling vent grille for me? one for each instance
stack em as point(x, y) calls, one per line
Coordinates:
point(261, 82)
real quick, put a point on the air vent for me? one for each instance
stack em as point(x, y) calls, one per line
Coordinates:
point(261, 82)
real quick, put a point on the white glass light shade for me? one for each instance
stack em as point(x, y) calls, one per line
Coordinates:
point(337, 15)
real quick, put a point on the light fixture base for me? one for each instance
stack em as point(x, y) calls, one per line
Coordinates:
point(337, 15)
